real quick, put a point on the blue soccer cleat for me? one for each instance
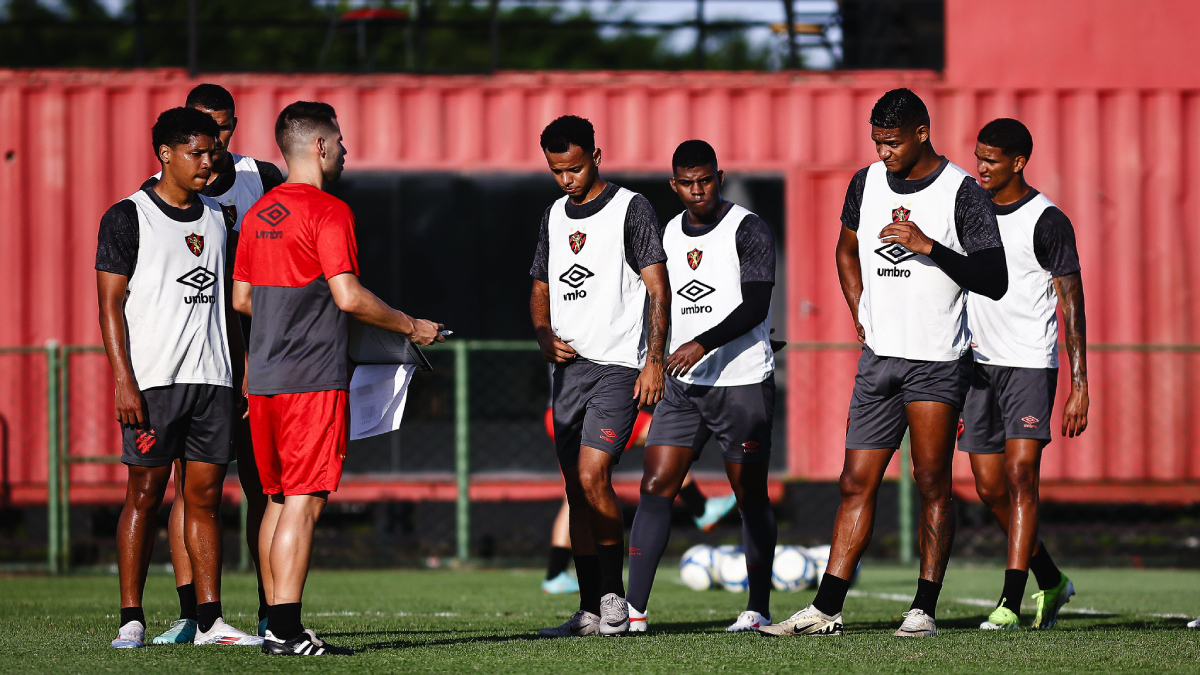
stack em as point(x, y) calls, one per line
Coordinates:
point(715, 508)
point(563, 583)
point(181, 632)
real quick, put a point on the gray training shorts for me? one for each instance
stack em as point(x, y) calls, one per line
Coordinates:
point(593, 406)
point(885, 384)
point(1006, 403)
point(193, 422)
point(741, 417)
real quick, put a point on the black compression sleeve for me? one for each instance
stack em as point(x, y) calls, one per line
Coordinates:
point(984, 272)
point(541, 255)
point(756, 302)
point(270, 175)
point(852, 207)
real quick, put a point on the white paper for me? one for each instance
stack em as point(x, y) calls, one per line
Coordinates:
point(377, 397)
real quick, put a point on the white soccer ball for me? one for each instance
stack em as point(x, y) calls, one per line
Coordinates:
point(731, 571)
point(792, 570)
point(695, 568)
point(820, 558)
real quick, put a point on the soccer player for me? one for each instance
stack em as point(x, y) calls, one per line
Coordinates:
point(235, 182)
point(599, 256)
point(297, 274)
point(917, 233)
point(721, 261)
point(1006, 421)
point(171, 338)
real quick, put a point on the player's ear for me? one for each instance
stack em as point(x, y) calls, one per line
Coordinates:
point(164, 153)
point(1019, 164)
point(321, 149)
point(233, 125)
point(720, 177)
point(596, 156)
point(923, 133)
point(671, 180)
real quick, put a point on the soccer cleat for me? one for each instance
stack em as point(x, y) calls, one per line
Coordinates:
point(1001, 618)
point(748, 621)
point(715, 508)
point(916, 624)
point(262, 627)
point(563, 583)
point(637, 620)
point(222, 633)
point(614, 615)
point(131, 636)
point(808, 621)
point(1194, 623)
point(304, 644)
point(181, 632)
point(580, 624)
point(1049, 602)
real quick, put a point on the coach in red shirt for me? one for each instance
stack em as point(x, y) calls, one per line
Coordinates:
point(297, 268)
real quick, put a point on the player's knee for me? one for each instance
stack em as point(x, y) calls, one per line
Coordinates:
point(991, 494)
point(1021, 480)
point(144, 500)
point(854, 486)
point(659, 486)
point(932, 483)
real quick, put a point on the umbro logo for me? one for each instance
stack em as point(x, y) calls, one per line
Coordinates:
point(609, 435)
point(633, 550)
point(199, 279)
point(894, 253)
point(274, 214)
point(750, 446)
point(694, 291)
point(1030, 421)
point(576, 275)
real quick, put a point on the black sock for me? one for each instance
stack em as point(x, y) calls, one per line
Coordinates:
point(587, 569)
point(284, 621)
point(927, 597)
point(693, 499)
point(263, 608)
point(612, 563)
point(1044, 570)
point(132, 614)
point(207, 614)
point(831, 594)
point(647, 541)
point(1014, 589)
point(559, 557)
point(758, 540)
point(187, 601)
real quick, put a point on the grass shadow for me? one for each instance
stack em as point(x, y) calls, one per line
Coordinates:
point(401, 644)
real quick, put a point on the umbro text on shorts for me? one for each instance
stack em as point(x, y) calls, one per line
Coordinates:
point(184, 421)
point(885, 384)
point(741, 418)
point(1006, 402)
point(300, 440)
point(593, 406)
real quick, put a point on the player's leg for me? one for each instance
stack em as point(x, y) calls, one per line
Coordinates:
point(266, 535)
point(183, 629)
point(663, 470)
point(135, 541)
point(557, 580)
point(608, 534)
point(706, 511)
point(256, 504)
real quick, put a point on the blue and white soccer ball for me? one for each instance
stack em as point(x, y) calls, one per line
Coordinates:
point(820, 556)
point(731, 570)
point(695, 568)
point(792, 569)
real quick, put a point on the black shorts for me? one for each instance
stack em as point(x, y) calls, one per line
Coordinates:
point(193, 422)
point(741, 417)
point(1004, 403)
point(885, 384)
point(593, 406)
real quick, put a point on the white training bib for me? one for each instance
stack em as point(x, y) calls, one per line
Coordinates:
point(706, 275)
point(247, 188)
point(909, 307)
point(596, 300)
point(175, 302)
point(1019, 330)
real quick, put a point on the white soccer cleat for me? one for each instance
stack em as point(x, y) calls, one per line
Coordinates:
point(131, 636)
point(614, 615)
point(581, 623)
point(637, 620)
point(916, 624)
point(747, 621)
point(808, 621)
point(222, 633)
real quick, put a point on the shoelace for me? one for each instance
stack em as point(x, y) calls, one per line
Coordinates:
point(912, 618)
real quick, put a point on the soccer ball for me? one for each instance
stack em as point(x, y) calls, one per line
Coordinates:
point(731, 570)
point(820, 556)
point(695, 568)
point(792, 569)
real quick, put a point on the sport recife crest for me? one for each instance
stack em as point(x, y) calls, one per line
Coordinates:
point(195, 243)
point(693, 257)
point(578, 239)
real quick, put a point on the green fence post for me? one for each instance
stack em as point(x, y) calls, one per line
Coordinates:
point(462, 457)
point(52, 458)
point(64, 451)
point(905, 499)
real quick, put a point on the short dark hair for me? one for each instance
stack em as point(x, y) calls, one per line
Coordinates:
point(178, 126)
point(1012, 137)
point(300, 121)
point(693, 153)
point(899, 109)
point(210, 97)
point(568, 130)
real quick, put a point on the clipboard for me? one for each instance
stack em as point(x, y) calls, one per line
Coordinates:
point(369, 344)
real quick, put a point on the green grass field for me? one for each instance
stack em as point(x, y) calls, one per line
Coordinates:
point(485, 621)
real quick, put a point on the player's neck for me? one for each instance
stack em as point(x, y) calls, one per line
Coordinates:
point(710, 217)
point(173, 194)
point(308, 175)
point(927, 164)
point(591, 194)
point(226, 166)
point(1014, 192)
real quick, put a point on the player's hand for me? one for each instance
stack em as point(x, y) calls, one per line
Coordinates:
point(1075, 413)
point(684, 358)
point(131, 407)
point(425, 332)
point(648, 389)
point(553, 349)
point(862, 332)
point(907, 234)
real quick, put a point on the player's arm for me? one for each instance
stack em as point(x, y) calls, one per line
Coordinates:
point(1070, 294)
point(352, 298)
point(850, 275)
point(648, 389)
point(553, 349)
point(110, 291)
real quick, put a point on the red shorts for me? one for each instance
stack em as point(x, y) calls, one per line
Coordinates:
point(300, 440)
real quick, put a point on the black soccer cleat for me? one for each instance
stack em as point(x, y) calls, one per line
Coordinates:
point(304, 644)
